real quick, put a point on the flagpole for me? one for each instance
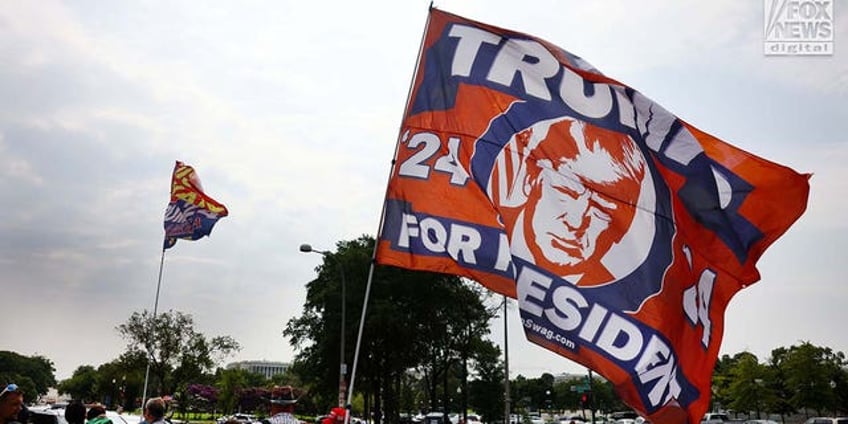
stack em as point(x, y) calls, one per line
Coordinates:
point(382, 220)
point(155, 310)
point(506, 363)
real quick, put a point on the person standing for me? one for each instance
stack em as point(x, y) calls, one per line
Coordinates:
point(11, 403)
point(97, 415)
point(75, 413)
point(283, 401)
point(154, 411)
point(337, 416)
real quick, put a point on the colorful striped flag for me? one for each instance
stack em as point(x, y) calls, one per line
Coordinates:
point(191, 214)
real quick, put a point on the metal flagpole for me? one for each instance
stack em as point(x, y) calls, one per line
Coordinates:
point(506, 364)
point(155, 309)
point(350, 388)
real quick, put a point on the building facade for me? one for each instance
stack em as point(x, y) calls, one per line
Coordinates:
point(266, 368)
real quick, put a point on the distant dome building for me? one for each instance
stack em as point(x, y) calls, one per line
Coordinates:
point(266, 368)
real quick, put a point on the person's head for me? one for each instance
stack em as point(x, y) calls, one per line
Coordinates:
point(95, 411)
point(338, 414)
point(582, 185)
point(283, 399)
point(75, 412)
point(11, 403)
point(154, 410)
point(23, 416)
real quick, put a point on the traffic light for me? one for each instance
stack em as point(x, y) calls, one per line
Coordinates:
point(584, 401)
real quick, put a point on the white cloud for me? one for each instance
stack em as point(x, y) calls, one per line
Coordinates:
point(17, 169)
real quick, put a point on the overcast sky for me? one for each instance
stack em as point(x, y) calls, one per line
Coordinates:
point(289, 112)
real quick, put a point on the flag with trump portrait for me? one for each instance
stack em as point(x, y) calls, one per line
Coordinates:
point(191, 213)
point(622, 230)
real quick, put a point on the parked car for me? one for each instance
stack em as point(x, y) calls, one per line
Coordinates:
point(615, 416)
point(535, 418)
point(122, 418)
point(473, 419)
point(56, 415)
point(241, 418)
point(715, 418)
point(827, 420)
point(46, 416)
point(434, 418)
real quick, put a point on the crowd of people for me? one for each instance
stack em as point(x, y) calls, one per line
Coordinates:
point(13, 410)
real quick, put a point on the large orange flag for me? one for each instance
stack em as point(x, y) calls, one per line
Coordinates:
point(622, 230)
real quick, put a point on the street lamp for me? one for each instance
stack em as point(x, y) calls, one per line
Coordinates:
point(306, 248)
point(123, 390)
point(835, 399)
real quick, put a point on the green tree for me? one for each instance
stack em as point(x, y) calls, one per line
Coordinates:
point(750, 389)
point(109, 379)
point(485, 394)
point(131, 366)
point(230, 382)
point(520, 393)
point(34, 374)
point(605, 398)
point(808, 371)
point(721, 382)
point(418, 321)
point(176, 352)
point(777, 381)
point(82, 385)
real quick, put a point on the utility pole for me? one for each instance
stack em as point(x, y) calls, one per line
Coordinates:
point(591, 397)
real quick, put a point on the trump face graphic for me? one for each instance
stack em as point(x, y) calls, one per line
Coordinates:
point(579, 186)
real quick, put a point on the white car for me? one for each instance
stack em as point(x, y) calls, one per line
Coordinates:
point(123, 418)
point(715, 418)
point(434, 417)
point(242, 418)
point(473, 419)
point(827, 420)
point(59, 414)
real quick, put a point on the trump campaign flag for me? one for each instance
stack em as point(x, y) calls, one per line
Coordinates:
point(191, 214)
point(622, 230)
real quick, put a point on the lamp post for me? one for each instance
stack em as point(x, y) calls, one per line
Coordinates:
point(835, 398)
point(306, 248)
point(123, 390)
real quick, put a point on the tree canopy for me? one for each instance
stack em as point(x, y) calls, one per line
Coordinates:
point(798, 378)
point(177, 353)
point(34, 374)
point(417, 323)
